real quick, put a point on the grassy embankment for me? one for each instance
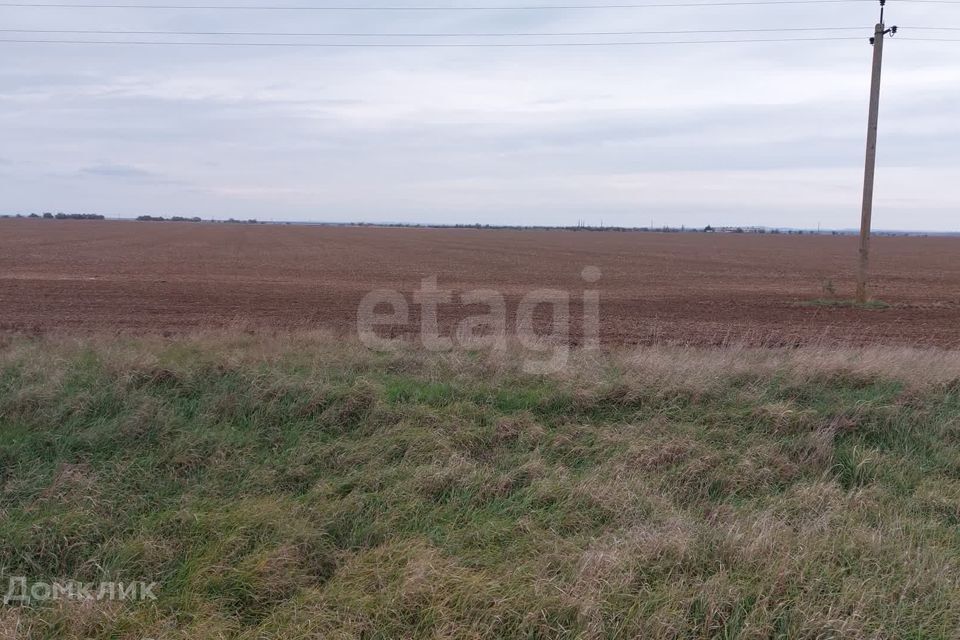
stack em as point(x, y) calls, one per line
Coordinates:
point(303, 488)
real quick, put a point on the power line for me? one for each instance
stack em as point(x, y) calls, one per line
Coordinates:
point(418, 44)
point(723, 3)
point(425, 35)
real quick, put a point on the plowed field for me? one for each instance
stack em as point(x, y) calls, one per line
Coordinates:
point(700, 289)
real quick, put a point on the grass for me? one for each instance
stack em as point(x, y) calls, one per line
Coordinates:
point(300, 487)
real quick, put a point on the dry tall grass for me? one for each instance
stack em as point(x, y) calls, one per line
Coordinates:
point(299, 486)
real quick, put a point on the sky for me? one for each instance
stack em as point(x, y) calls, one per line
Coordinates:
point(768, 134)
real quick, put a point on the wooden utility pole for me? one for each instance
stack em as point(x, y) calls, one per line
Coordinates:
point(866, 217)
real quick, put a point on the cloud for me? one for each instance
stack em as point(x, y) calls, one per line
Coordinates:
point(121, 171)
point(128, 174)
point(723, 134)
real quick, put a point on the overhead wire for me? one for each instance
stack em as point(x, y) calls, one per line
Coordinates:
point(585, 7)
point(525, 34)
point(554, 34)
point(417, 44)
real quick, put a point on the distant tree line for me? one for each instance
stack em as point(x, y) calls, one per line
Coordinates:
point(194, 219)
point(74, 216)
point(501, 227)
point(59, 216)
point(581, 226)
point(162, 219)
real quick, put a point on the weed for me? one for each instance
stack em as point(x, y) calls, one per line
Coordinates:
point(309, 488)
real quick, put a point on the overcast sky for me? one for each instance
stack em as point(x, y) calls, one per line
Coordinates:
point(724, 134)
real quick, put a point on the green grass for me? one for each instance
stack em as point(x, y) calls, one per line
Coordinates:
point(298, 487)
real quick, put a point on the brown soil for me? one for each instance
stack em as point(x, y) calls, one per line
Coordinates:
point(78, 277)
